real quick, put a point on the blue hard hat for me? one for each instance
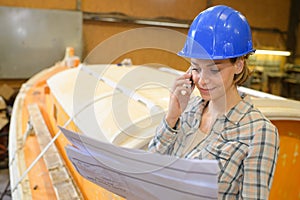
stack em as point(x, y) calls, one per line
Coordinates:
point(219, 32)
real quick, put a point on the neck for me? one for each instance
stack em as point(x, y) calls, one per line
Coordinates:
point(223, 104)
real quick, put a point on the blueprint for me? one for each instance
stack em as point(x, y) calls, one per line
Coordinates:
point(135, 174)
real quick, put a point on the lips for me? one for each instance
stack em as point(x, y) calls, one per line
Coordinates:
point(206, 90)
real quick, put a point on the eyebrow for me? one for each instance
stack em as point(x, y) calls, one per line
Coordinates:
point(212, 64)
point(207, 65)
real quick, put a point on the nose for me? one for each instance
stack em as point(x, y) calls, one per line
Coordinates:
point(201, 77)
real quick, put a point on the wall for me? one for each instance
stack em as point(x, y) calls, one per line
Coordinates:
point(260, 14)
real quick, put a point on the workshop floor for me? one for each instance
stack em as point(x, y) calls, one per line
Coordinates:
point(4, 179)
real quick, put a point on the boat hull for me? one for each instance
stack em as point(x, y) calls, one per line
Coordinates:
point(77, 99)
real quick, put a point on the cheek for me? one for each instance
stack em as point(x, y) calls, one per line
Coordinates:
point(218, 79)
point(228, 77)
point(195, 77)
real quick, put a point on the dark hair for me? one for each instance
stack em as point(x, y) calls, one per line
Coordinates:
point(241, 78)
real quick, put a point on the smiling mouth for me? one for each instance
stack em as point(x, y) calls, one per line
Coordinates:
point(206, 89)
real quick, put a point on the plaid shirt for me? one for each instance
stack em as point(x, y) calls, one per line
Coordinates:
point(244, 141)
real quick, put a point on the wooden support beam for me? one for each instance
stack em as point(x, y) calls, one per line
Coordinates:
point(63, 184)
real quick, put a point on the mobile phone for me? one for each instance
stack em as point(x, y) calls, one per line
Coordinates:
point(191, 79)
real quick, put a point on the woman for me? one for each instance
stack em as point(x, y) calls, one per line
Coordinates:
point(221, 124)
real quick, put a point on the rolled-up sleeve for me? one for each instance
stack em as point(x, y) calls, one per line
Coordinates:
point(259, 166)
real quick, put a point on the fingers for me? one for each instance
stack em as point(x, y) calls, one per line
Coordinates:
point(184, 79)
point(182, 90)
point(185, 88)
point(180, 95)
point(183, 84)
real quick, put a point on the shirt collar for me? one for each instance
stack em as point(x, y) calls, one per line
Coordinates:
point(236, 113)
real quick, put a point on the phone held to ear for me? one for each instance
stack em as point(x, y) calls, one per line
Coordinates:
point(191, 79)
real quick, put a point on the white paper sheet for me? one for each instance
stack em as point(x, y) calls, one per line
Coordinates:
point(136, 174)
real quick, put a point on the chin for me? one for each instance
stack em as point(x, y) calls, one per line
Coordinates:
point(206, 97)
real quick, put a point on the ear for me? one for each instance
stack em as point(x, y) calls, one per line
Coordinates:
point(239, 65)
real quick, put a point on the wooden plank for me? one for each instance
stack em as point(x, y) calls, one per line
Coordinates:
point(63, 184)
point(17, 165)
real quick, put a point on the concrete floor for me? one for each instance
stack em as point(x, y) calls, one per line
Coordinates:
point(4, 178)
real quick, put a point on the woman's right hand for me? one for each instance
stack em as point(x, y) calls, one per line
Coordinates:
point(179, 98)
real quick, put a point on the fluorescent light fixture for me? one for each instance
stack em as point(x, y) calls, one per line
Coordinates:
point(272, 52)
point(161, 23)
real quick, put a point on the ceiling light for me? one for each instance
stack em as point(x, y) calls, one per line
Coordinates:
point(272, 52)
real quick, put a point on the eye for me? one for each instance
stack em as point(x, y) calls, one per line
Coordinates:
point(215, 71)
point(196, 69)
